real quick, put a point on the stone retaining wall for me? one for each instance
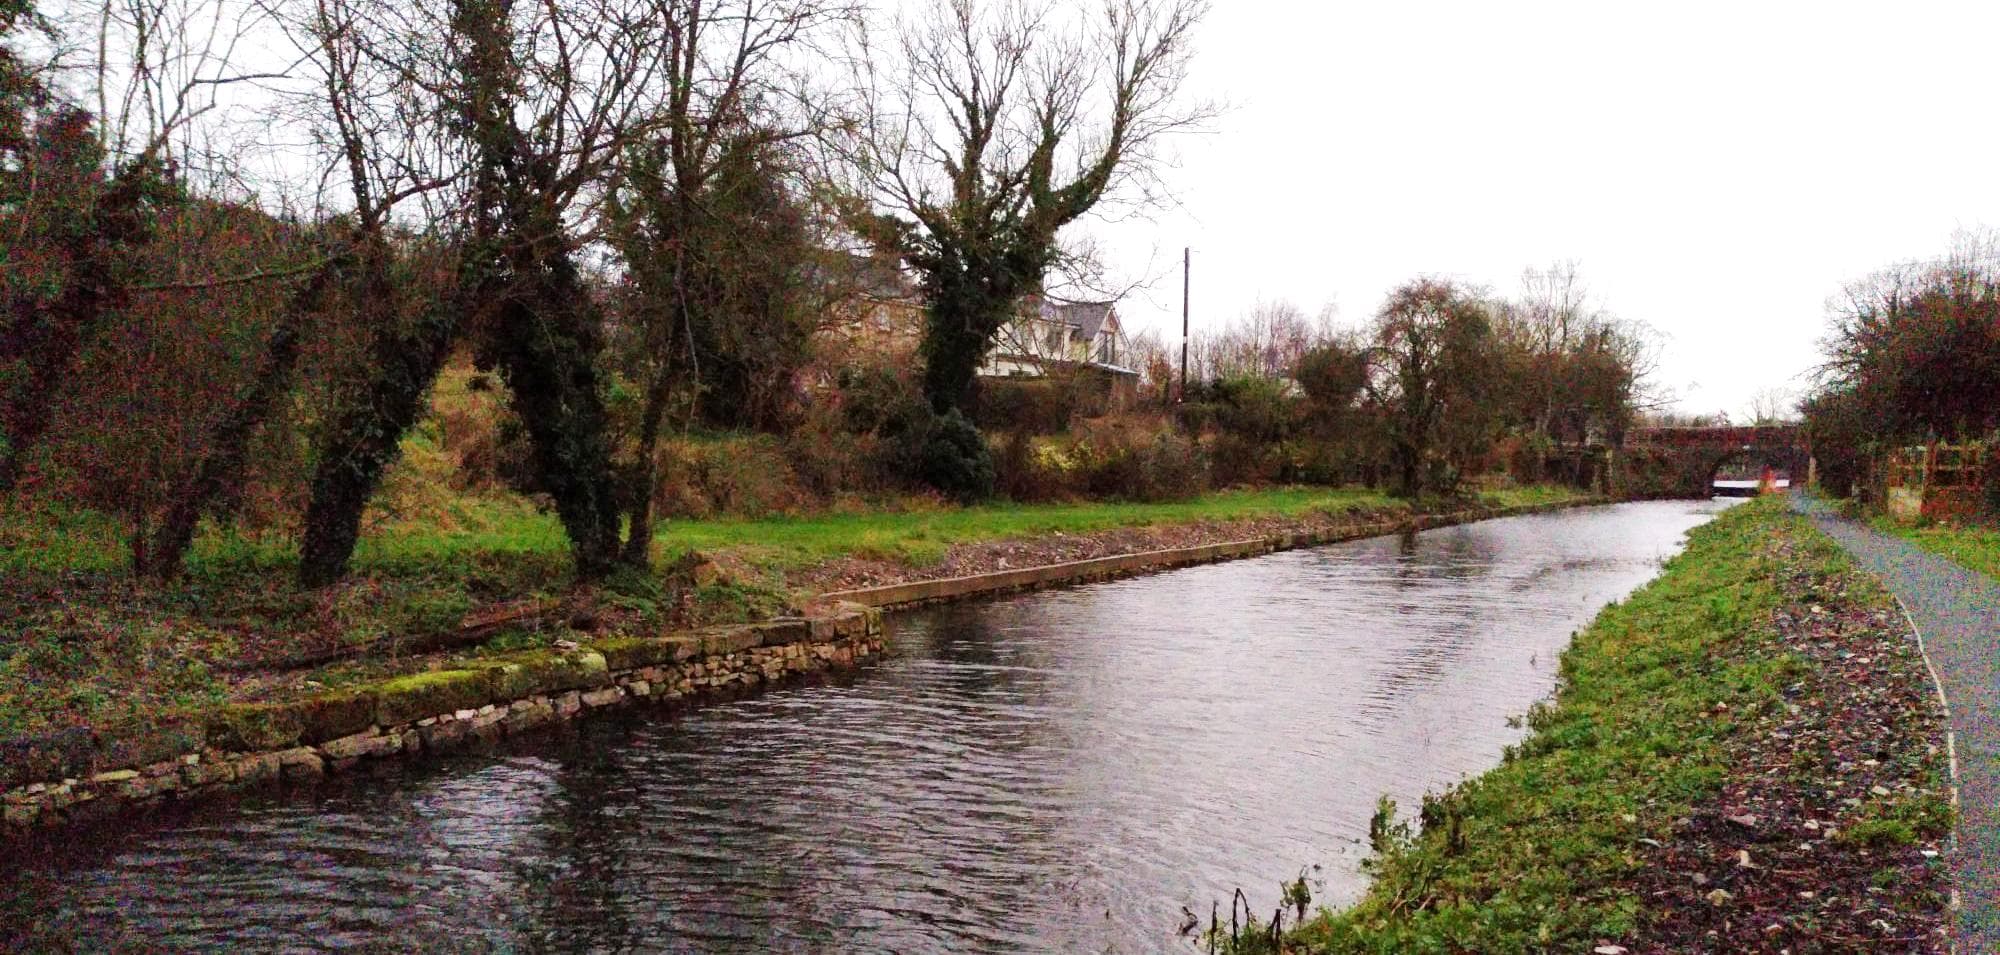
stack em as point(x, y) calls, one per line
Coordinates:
point(85, 775)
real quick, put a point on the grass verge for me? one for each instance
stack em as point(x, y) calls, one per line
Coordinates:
point(56, 540)
point(1977, 548)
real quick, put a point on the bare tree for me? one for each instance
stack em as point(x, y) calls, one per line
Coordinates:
point(1574, 371)
point(733, 102)
point(1773, 406)
point(362, 120)
point(1432, 373)
point(378, 112)
point(992, 126)
point(1266, 341)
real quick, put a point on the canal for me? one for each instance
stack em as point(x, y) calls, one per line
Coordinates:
point(1061, 771)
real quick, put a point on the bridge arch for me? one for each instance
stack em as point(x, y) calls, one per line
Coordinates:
point(1695, 455)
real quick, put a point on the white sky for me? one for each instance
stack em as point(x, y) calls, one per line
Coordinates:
point(1717, 170)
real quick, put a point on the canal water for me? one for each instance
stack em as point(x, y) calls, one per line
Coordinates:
point(1061, 771)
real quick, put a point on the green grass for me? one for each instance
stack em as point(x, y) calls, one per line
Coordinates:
point(921, 537)
point(1527, 857)
point(61, 540)
point(1975, 547)
point(53, 541)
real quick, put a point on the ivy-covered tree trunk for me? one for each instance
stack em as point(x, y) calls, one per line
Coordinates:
point(542, 329)
point(639, 535)
point(221, 471)
point(954, 345)
point(47, 339)
point(367, 431)
point(545, 342)
point(970, 299)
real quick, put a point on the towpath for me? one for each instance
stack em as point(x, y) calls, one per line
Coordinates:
point(1957, 612)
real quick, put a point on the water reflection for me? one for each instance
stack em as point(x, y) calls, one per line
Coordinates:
point(1060, 771)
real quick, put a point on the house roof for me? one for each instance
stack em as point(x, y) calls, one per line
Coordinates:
point(1086, 317)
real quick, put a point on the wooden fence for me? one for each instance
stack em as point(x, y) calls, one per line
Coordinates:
point(1944, 482)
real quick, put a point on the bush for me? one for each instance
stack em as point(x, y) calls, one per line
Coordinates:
point(749, 475)
point(830, 460)
point(1030, 405)
point(954, 459)
point(1140, 464)
point(1526, 457)
point(1317, 461)
point(1254, 430)
point(1030, 473)
point(1198, 415)
point(1258, 409)
point(877, 400)
point(1237, 460)
point(1172, 469)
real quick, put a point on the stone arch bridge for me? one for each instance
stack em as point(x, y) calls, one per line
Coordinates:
point(1682, 462)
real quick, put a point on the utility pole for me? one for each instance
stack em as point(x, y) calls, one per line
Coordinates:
point(1187, 269)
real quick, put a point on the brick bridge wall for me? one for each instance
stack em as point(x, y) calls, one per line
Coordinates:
point(1681, 462)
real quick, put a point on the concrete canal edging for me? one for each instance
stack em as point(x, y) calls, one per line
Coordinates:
point(88, 774)
point(919, 592)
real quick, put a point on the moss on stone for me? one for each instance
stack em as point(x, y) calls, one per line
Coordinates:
point(422, 695)
point(527, 674)
point(507, 681)
point(631, 653)
point(142, 743)
point(334, 715)
point(253, 727)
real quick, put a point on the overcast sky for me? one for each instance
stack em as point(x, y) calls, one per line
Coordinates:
point(1716, 170)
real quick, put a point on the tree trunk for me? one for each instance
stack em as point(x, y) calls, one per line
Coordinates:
point(1409, 466)
point(954, 344)
point(49, 343)
point(639, 534)
point(368, 430)
point(545, 344)
point(229, 443)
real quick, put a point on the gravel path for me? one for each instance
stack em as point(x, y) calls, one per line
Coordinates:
point(1957, 611)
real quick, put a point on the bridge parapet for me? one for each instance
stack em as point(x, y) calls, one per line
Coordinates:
point(1760, 436)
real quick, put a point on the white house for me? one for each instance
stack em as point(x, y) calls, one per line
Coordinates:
point(1049, 336)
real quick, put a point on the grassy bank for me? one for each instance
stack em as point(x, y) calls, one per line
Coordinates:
point(61, 541)
point(87, 644)
point(1727, 689)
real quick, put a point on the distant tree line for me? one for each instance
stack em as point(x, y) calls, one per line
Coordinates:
point(1443, 380)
